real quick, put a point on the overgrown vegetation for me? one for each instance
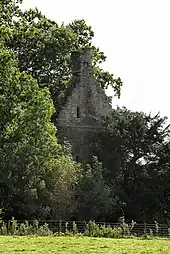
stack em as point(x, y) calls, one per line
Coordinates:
point(91, 229)
point(130, 174)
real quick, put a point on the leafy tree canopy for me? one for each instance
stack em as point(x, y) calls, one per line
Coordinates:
point(134, 150)
point(43, 48)
point(28, 140)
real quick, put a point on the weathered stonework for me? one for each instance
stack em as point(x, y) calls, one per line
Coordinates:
point(85, 104)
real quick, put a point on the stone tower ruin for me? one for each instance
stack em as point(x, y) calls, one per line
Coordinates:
point(84, 106)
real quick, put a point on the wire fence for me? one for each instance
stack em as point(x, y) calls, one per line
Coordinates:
point(139, 229)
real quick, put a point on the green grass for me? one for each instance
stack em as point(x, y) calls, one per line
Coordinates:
point(70, 245)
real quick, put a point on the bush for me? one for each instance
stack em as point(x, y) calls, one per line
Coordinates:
point(95, 230)
point(15, 228)
point(44, 230)
point(3, 229)
point(126, 228)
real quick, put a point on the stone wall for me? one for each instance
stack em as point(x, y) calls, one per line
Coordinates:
point(85, 104)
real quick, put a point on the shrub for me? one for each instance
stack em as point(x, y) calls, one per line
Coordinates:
point(3, 229)
point(75, 231)
point(44, 230)
point(95, 230)
point(127, 228)
point(15, 228)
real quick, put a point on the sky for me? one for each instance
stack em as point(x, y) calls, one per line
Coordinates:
point(135, 37)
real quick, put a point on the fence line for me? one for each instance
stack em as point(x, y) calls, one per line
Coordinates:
point(139, 229)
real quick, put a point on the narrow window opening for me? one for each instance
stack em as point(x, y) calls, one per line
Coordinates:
point(77, 158)
point(78, 112)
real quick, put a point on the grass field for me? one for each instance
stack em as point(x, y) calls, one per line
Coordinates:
point(70, 245)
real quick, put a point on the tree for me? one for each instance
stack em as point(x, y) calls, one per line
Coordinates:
point(61, 183)
point(27, 138)
point(133, 152)
point(36, 177)
point(9, 9)
point(95, 201)
point(43, 49)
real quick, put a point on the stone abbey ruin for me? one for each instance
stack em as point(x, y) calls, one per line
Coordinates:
point(85, 104)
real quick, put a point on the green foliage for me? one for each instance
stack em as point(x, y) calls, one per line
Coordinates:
point(75, 231)
point(9, 9)
point(150, 233)
point(92, 229)
point(61, 184)
point(25, 115)
point(93, 194)
point(95, 230)
point(13, 230)
point(127, 229)
point(3, 228)
point(156, 228)
point(67, 231)
point(22, 229)
point(28, 145)
point(25, 228)
point(134, 151)
point(43, 49)
point(44, 230)
point(38, 178)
